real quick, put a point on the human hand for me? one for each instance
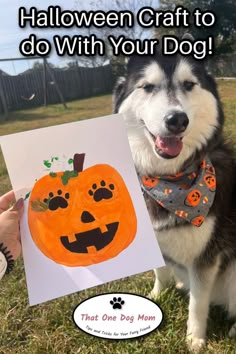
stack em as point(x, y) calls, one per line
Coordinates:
point(9, 223)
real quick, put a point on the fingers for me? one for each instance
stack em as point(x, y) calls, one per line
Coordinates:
point(18, 207)
point(18, 237)
point(16, 250)
point(9, 223)
point(6, 200)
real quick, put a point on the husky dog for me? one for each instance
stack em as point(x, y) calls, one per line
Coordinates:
point(174, 121)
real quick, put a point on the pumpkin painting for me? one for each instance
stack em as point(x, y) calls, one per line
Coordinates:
point(82, 217)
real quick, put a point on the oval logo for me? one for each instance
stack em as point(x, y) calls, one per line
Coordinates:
point(118, 316)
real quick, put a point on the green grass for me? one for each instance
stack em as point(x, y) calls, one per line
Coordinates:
point(56, 114)
point(48, 328)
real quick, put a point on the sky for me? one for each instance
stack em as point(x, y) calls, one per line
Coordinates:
point(11, 34)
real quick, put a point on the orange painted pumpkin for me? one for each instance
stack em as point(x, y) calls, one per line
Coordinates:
point(198, 220)
point(193, 198)
point(149, 182)
point(79, 218)
point(210, 181)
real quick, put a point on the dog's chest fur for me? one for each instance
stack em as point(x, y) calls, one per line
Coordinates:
point(180, 242)
point(185, 243)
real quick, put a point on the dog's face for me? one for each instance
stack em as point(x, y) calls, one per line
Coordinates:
point(171, 108)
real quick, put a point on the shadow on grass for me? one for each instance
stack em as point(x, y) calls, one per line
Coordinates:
point(219, 323)
point(55, 110)
point(38, 113)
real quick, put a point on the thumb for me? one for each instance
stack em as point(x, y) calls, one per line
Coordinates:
point(18, 207)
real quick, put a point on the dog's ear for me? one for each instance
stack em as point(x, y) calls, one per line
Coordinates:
point(118, 93)
point(135, 61)
point(202, 62)
point(188, 36)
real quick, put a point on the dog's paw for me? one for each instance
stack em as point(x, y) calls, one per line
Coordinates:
point(156, 291)
point(195, 344)
point(153, 295)
point(232, 331)
point(179, 285)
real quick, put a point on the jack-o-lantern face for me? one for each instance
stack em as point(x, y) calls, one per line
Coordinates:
point(149, 182)
point(210, 181)
point(82, 218)
point(193, 198)
point(198, 220)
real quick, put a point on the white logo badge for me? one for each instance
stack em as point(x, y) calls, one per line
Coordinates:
point(118, 316)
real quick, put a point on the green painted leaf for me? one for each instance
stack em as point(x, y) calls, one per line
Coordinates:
point(70, 161)
point(52, 174)
point(37, 205)
point(67, 175)
point(54, 158)
point(47, 163)
point(27, 196)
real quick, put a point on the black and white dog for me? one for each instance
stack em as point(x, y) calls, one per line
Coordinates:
point(174, 121)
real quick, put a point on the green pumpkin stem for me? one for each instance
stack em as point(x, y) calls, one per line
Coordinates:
point(78, 162)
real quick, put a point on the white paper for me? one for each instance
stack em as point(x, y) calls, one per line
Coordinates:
point(104, 140)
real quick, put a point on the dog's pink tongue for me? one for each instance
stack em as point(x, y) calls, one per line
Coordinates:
point(169, 145)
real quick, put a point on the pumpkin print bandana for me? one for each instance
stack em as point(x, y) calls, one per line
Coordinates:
point(189, 194)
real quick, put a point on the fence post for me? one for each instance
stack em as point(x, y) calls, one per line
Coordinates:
point(3, 98)
point(45, 100)
point(55, 83)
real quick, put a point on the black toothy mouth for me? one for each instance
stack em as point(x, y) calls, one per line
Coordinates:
point(94, 237)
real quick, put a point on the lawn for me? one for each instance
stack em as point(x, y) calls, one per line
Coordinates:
point(48, 328)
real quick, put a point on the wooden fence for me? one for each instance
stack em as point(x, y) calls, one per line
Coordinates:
point(26, 90)
point(223, 65)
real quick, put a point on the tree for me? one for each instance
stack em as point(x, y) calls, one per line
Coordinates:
point(37, 65)
point(118, 5)
point(136, 32)
point(224, 29)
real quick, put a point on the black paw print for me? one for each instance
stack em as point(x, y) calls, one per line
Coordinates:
point(58, 201)
point(101, 192)
point(117, 303)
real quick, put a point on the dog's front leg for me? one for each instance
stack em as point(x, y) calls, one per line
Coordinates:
point(163, 277)
point(201, 283)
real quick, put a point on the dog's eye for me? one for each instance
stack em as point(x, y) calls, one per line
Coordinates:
point(148, 88)
point(188, 85)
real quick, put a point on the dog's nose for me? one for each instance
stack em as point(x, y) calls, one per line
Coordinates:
point(177, 122)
